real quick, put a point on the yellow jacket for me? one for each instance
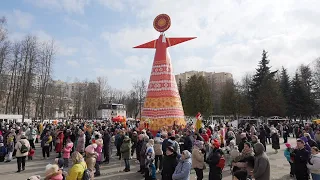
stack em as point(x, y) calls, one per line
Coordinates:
point(76, 172)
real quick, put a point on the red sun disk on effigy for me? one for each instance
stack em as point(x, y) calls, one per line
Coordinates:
point(162, 22)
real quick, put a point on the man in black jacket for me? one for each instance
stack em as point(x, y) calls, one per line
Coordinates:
point(187, 145)
point(215, 172)
point(301, 157)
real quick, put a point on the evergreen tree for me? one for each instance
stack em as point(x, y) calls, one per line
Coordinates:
point(308, 87)
point(262, 75)
point(270, 100)
point(228, 99)
point(180, 88)
point(197, 97)
point(297, 97)
point(285, 89)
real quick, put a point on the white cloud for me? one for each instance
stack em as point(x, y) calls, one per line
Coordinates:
point(22, 19)
point(70, 6)
point(137, 62)
point(73, 22)
point(231, 34)
point(73, 63)
point(112, 4)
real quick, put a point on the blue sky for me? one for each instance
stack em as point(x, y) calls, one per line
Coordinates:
point(95, 37)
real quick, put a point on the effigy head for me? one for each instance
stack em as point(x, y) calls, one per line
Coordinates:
point(162, 22)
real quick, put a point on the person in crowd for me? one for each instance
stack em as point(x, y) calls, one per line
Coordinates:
point(81, 142)
point(59, 142)
point(22, 148)
point(45, 144)
point(3, 149)
point(287, 154)
point(158, 152)
point(150, 172)
point(98, 150)
point(138, 150)
point(143, 153)
point(301, 158)
point(263, 137)
point(275, 140)
point(78, 167)
point(106, 146)
point(314, 163)
point(286, 132)
point(244, 139)
point(53, 172)
point(214, 158)
point(198, 155)
point(169, 163)
point(66, 152)
point(125, 150)
point(317, 137)
point(134, 140)
point(31, 134)
point(188, 141)
point(311, 142)
point(91, 158)
point(10, 145)
point(31, 154)
point(254, 140)
point(261, 170)
point(118, 142)
point(182, 170)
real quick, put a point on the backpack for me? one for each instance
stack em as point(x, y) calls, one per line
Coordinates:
point(222, 162)
point(86, 174)
point(23, 148)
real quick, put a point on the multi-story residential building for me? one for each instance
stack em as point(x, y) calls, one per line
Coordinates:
point(218, 79)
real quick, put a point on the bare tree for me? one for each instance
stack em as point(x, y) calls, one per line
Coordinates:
point(104, 89)
point(139, 91)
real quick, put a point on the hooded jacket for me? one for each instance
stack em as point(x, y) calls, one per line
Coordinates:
point(261, 163)
point(182, 170)
point(314, 164)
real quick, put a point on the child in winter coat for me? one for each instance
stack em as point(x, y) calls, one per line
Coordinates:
point(66, 153)
point(150, 166)
point(287, 154)
point(30, 154)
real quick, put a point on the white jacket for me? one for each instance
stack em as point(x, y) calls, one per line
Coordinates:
point(18, 147)
point(314, 167)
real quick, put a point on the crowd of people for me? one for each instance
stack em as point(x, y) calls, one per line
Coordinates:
point(169, 154)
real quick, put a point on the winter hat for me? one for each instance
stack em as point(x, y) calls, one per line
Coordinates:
point(215, 143)
point(198, 144)
point(288, 145)
point(158, 135)
point(59, 162)
point(90, 149)
point(186, 153)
